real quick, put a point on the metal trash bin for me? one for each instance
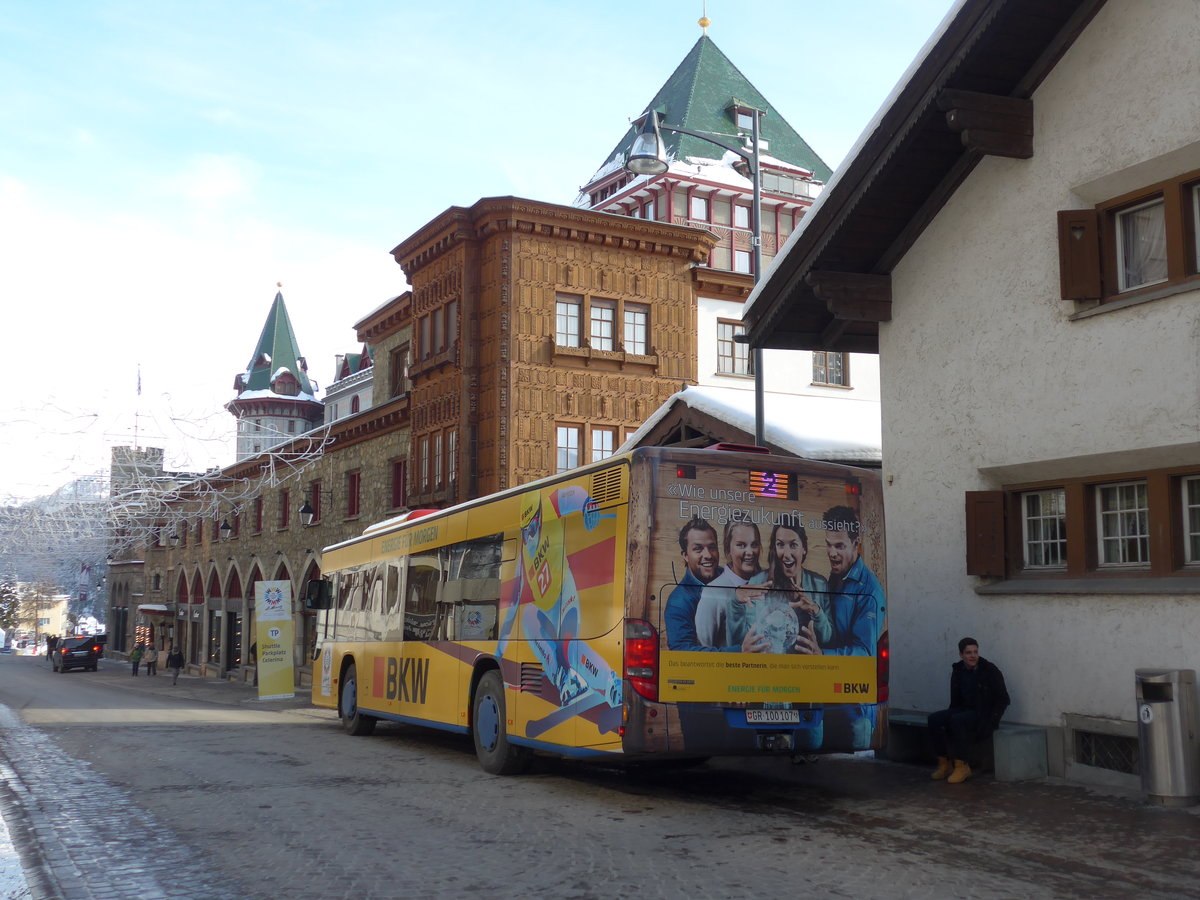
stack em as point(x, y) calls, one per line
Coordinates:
point(1169, 735)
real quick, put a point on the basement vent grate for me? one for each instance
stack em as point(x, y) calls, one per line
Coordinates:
point(1108, 751)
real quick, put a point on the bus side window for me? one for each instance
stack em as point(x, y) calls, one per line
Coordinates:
point(391, 593)
point(424, 578)
point(345, 589)
point(474, 588)
point(375, 596)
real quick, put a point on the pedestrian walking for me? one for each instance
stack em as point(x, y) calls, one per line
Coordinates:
point(978, 699)
point(254, 661)
point(135, 657)
point(51, 643)
point(175, 663)
point(150, 658)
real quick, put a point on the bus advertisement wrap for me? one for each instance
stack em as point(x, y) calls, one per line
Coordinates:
point(766, 591)
point(664, 602)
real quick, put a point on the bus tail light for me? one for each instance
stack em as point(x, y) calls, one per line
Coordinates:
point(641, 657)
point(883, 661)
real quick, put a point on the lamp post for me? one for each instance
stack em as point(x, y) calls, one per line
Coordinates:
point(648, 156)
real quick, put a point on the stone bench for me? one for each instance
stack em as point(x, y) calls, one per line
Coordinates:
point(1013, 752)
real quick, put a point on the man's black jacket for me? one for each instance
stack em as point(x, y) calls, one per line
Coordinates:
point(991, 696)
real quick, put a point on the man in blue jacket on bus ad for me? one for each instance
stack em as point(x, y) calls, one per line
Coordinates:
point(857, 607)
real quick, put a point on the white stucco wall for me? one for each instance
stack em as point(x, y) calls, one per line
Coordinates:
point(981, 367)
point(785, 371)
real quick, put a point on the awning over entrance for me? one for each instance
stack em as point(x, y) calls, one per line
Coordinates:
point(153, 609)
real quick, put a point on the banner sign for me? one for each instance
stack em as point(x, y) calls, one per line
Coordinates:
point(273, 634)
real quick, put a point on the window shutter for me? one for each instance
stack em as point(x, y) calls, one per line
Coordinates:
point(1079, 254)
point(985, 533)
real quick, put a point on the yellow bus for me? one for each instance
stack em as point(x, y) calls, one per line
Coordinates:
point(667, 603)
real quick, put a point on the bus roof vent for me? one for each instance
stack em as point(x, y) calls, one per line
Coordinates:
point(607, 484)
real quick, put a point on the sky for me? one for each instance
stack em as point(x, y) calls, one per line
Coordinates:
point(165, 165)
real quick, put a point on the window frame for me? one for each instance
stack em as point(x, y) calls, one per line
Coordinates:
point(1120, 517)
point(602, 318)
point(568, 325)
point(995, 531)
point(611, 433)
point(353, 494)
point(577, 309)
point(1059, 542)
point(730, 352)
point(823, 366)
point(567, 429)
point(1191, 538)
point(1090, 244)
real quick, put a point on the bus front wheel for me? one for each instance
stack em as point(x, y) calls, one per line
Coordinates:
point(354, 720)
point(496, 755)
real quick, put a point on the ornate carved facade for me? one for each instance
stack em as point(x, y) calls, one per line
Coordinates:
point(529, 318)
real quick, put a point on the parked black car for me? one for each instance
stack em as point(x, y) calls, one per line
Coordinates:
point(77, 653)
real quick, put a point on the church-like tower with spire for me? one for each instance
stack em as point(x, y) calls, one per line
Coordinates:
point(705, 186)
point(276, 400)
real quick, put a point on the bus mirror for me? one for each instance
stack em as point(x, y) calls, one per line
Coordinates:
point(319, 594)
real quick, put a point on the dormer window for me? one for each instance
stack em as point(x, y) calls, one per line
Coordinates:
point(286, 385)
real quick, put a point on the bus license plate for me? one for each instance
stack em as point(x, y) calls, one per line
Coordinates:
point(773, 717)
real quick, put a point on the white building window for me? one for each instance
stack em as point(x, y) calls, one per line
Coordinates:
point(741, 261)
point(566, 447)
point(830, 368)
point(1142, 245)
point(604, 324)
point(1191, 520)
point(567, 311)
point(698, 209)
point(604, 443)
point(1123, 524)
point(637, 325)
point(733, 358)
point(423, 453)
point(1044, 528)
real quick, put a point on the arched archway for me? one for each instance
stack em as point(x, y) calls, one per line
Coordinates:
point(248, 632)
point(308, 618)
point(214, 616)
point(195, 626)
point(233, 621)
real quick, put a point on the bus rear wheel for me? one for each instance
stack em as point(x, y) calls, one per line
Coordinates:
point(496, 755)
point(354, 720)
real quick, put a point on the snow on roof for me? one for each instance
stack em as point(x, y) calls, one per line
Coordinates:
point(837, 429)
point(265, 393)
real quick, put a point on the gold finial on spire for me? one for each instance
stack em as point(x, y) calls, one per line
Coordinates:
point(705, 21)
point(279, 284)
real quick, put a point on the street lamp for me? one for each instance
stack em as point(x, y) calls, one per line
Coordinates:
point(648, 156)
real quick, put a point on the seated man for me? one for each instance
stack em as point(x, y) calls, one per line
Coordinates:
point(978, 699)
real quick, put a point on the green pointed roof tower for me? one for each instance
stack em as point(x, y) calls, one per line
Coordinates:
point(701, 94)
point(276, 400)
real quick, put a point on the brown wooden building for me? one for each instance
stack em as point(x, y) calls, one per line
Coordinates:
point(542, 335)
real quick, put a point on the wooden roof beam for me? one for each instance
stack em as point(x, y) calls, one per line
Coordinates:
point(990, 124)
point(853, 296)
point(816, 340)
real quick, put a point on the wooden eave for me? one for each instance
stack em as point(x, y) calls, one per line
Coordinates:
point(514, 215)
point(969, 97)
point(385, 321)
point(722, 284)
